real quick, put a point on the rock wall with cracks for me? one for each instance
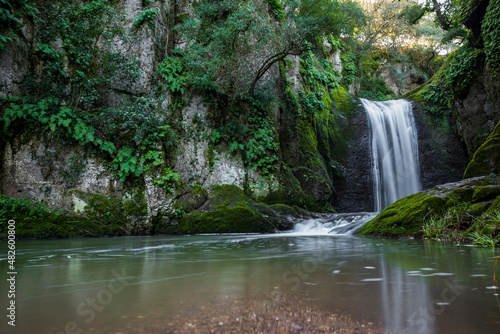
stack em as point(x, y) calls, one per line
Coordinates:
point(75, 180)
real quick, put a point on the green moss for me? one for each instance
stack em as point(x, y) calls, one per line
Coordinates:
point(342, 100)
point(487, 226)
point(130, 212)
point(35, 221)
point(283, 209)
point(477, 209)
point(227, 210)
point(486, 193)
point(192, 200)
point(495, 206)
point(238, 219)
point(404, 217)
point(416, 95)
point(490, 27)
point(99, 207)
point(486, 160)
point(459, 195)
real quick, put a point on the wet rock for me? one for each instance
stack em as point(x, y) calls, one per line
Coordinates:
point(355, 189)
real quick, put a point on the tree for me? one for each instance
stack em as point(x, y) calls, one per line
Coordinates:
point(234, 43)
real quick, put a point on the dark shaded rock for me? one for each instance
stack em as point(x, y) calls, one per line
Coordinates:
point(486, 160)
point(442, 153)
point(355, 189)
point(477, 113)
point(193, 198)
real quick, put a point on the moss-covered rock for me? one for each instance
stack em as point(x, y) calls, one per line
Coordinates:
point(486, 193)
point(35, 221)
point(486, 160)
point(227, 210)
point(464, 211)
point(130, 212)
point(192, 199)
point(404, 217)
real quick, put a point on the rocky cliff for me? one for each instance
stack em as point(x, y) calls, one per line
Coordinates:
point(94, 128)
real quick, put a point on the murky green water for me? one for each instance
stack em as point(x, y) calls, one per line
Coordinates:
point(149, 284)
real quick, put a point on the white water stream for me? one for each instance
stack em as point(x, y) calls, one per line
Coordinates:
point(337, 224)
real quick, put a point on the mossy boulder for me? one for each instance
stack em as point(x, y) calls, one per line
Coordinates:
point(404, 217)
point(486, 193)
point(130, 211)
point(229, 210)
point(35, 221)
point(192, 199)
point(463, 207)
point(486, 160)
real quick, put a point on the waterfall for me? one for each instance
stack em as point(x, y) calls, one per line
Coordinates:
point(394, 148)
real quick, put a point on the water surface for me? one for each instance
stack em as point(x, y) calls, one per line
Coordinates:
point(124, 285)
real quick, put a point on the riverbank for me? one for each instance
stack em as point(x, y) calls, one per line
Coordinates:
point(226, 210)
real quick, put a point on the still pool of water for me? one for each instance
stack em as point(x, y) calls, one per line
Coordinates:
point(164, 284)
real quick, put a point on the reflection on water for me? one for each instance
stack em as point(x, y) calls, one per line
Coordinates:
point(119, 285)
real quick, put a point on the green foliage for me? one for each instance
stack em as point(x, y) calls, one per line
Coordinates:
point(224, 40)
point(74, 63)
point(349, 69)
point(11, 13)
point(215, 136)
point(171, 70)
point(168, 180)
point(482, 240)
point(277, 9)
point(446, 226)
point(464, 223)
point(317, 73)
point(129, 136)
point(490, 28)
point(494, 178)
point(453, 80)
point(375, 89)
point(146, 16)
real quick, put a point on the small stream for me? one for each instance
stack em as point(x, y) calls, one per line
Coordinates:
point(157, 284)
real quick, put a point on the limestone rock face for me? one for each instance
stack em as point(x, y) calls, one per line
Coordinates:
point(67, 179)
point(401, 78)
point(12, 68)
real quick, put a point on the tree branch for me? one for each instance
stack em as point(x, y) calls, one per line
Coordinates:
point(443, 21)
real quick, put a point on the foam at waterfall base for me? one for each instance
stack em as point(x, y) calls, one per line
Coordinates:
point(337, 224)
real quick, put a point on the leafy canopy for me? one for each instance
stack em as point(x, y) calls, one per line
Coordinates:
point(233, 43)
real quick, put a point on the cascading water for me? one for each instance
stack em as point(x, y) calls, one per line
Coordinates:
point(394, 147)
point(336, 224)
point(394, 166)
